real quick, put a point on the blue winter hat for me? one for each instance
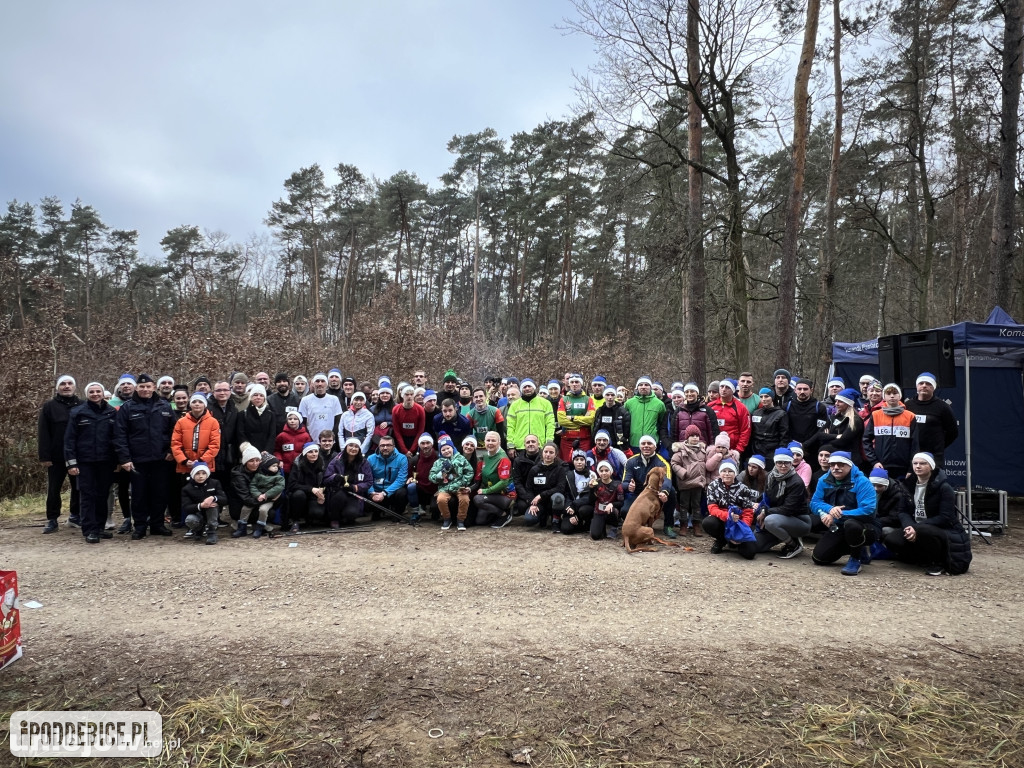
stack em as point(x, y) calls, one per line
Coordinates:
point(730, 383)
point(199, 465)
point(835, 380)
point(609, 390)
point(311, 447)
point(644, 380)
point(848, 396)
point(757, 460)
point(334, 370)
point(384, 385)
point(125, 379)
point(691, 385)
point(840, 457)
point(727, 464)
point(677, 386)
point(658, 385)
point(796, 448)
point(555, 382)
point(426, 437)
point(443, 440)
point(927, 378)
point(879, 476)
point(527, 380)
point(783, 454)
point(926, 456)
point(764, 391)
point(598, 379)
point(429, 395)
point(603, 432)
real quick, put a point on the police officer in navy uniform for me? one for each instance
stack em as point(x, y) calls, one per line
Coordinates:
point(142, 441)
point(89, 455)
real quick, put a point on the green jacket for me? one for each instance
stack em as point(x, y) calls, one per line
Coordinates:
point(461, 475)
point(646, 414)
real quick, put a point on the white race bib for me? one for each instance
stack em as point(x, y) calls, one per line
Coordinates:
point(757, 419)
point(721, 422)
point(288, 447)
point(920, 418)
point(540, 480)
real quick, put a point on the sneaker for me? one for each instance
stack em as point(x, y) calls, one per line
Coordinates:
point(934, 570)
point(460, 526)
point(503, 521)
point(138, 535)
point(74, 521)
point(414, 516)
point(160, 531)
point(109, 526)
point(50, 527)
point(791, 550)
point(671, 532)
point(190, 534)
point(294, 528)
point(177, 524)
point(106, 535)
point(126, 526)
point(446, 525)
point(852, 567)
point(92, 538)
point(717, 547)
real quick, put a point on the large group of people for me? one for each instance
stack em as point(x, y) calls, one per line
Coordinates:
point(753, 470)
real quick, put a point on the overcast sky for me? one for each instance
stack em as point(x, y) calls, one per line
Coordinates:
point(190, 112)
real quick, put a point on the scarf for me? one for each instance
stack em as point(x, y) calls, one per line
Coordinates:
point(776, 481)
point(896, 410)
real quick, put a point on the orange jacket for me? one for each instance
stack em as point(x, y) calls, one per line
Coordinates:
point(195, 441)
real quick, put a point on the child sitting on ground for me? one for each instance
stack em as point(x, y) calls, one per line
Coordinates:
point(453, 475)
point(266, 487)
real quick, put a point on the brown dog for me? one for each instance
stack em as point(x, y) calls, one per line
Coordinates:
point(645, 509)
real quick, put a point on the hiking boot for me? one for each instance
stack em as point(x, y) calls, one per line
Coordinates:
point(852, 567)
point(670, 532)
point(934, 570)
point(126, 526)
point(414, 515)
point(51, 526)
point(92, 538)
point(258, 530)
point(503, 521)
point(105, 535)
point(446, 525)
point(791, 549)
point(138, 534)
point(460, 526)
point(74, 521)
point(556, 524)
point(240, 531)
point(697, 530)
point(160, 531)
point(211, 538)
point(717, 547)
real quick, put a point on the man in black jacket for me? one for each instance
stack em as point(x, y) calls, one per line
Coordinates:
point(222, 408)
point(807, 417)
point(89, 457)
point(142, 441)
point(521, 466)
point(936, 424)
point(281, 399)
point(53, 421)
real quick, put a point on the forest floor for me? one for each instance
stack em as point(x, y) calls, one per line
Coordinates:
point(403, 646)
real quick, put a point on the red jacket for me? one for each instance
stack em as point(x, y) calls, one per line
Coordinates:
point(408, 424)
point(734, 420)
point(288, 446)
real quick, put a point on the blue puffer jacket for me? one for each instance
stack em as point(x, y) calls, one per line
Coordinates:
point(142, 430)
point(89, 436)
point(855, 495)
point(388, 474)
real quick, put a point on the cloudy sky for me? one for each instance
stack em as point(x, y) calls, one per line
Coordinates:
point(191, 112)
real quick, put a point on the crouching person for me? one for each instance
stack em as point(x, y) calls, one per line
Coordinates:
point(729, 499)
point(545, 488)
point(453, 476)
point(347, 477)
point(579, 480)
point(305, 488)
point(845, 502)
point(241, 488)
point(201, 501)
point(495, 500)
point(783, 516)
point(606, 498)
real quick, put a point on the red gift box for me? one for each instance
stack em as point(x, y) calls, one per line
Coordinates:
point(10, 624)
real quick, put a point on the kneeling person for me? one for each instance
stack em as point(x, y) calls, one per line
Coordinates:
point(201, 502)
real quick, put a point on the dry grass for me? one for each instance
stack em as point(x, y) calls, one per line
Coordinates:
point(919, 725)
point(20, 508)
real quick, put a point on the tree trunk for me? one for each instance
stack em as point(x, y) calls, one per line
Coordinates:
point(787, 283)
point(346, 289)
point(1002, 255)
point(695, 292)
point(826, 313)
point(736, 283)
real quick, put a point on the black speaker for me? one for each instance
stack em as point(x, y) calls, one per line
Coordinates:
point(889, 359)
point(930, 351)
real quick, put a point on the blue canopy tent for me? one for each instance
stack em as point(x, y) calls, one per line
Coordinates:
point(988, 400)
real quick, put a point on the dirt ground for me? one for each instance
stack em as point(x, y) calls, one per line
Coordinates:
point(522, 648)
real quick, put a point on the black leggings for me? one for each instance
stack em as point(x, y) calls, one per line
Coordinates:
point(490, 507)
point(929, 547)
point(305, 507)
point(853, 534)
point(343, 507)
point(715, 527)
point(584, 513)
point(600, 521)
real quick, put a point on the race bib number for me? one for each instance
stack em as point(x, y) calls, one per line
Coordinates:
point(721, 422)
point(606, 419)
point(757, 419)
point(820, 423)
point(540, 480)
point(901, 431)
point(288, 447)
point(920, 418)
point(408, 426)
point(360, 477)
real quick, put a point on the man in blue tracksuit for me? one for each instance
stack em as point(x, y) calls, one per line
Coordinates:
point(142, 441)
point(845, 501)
